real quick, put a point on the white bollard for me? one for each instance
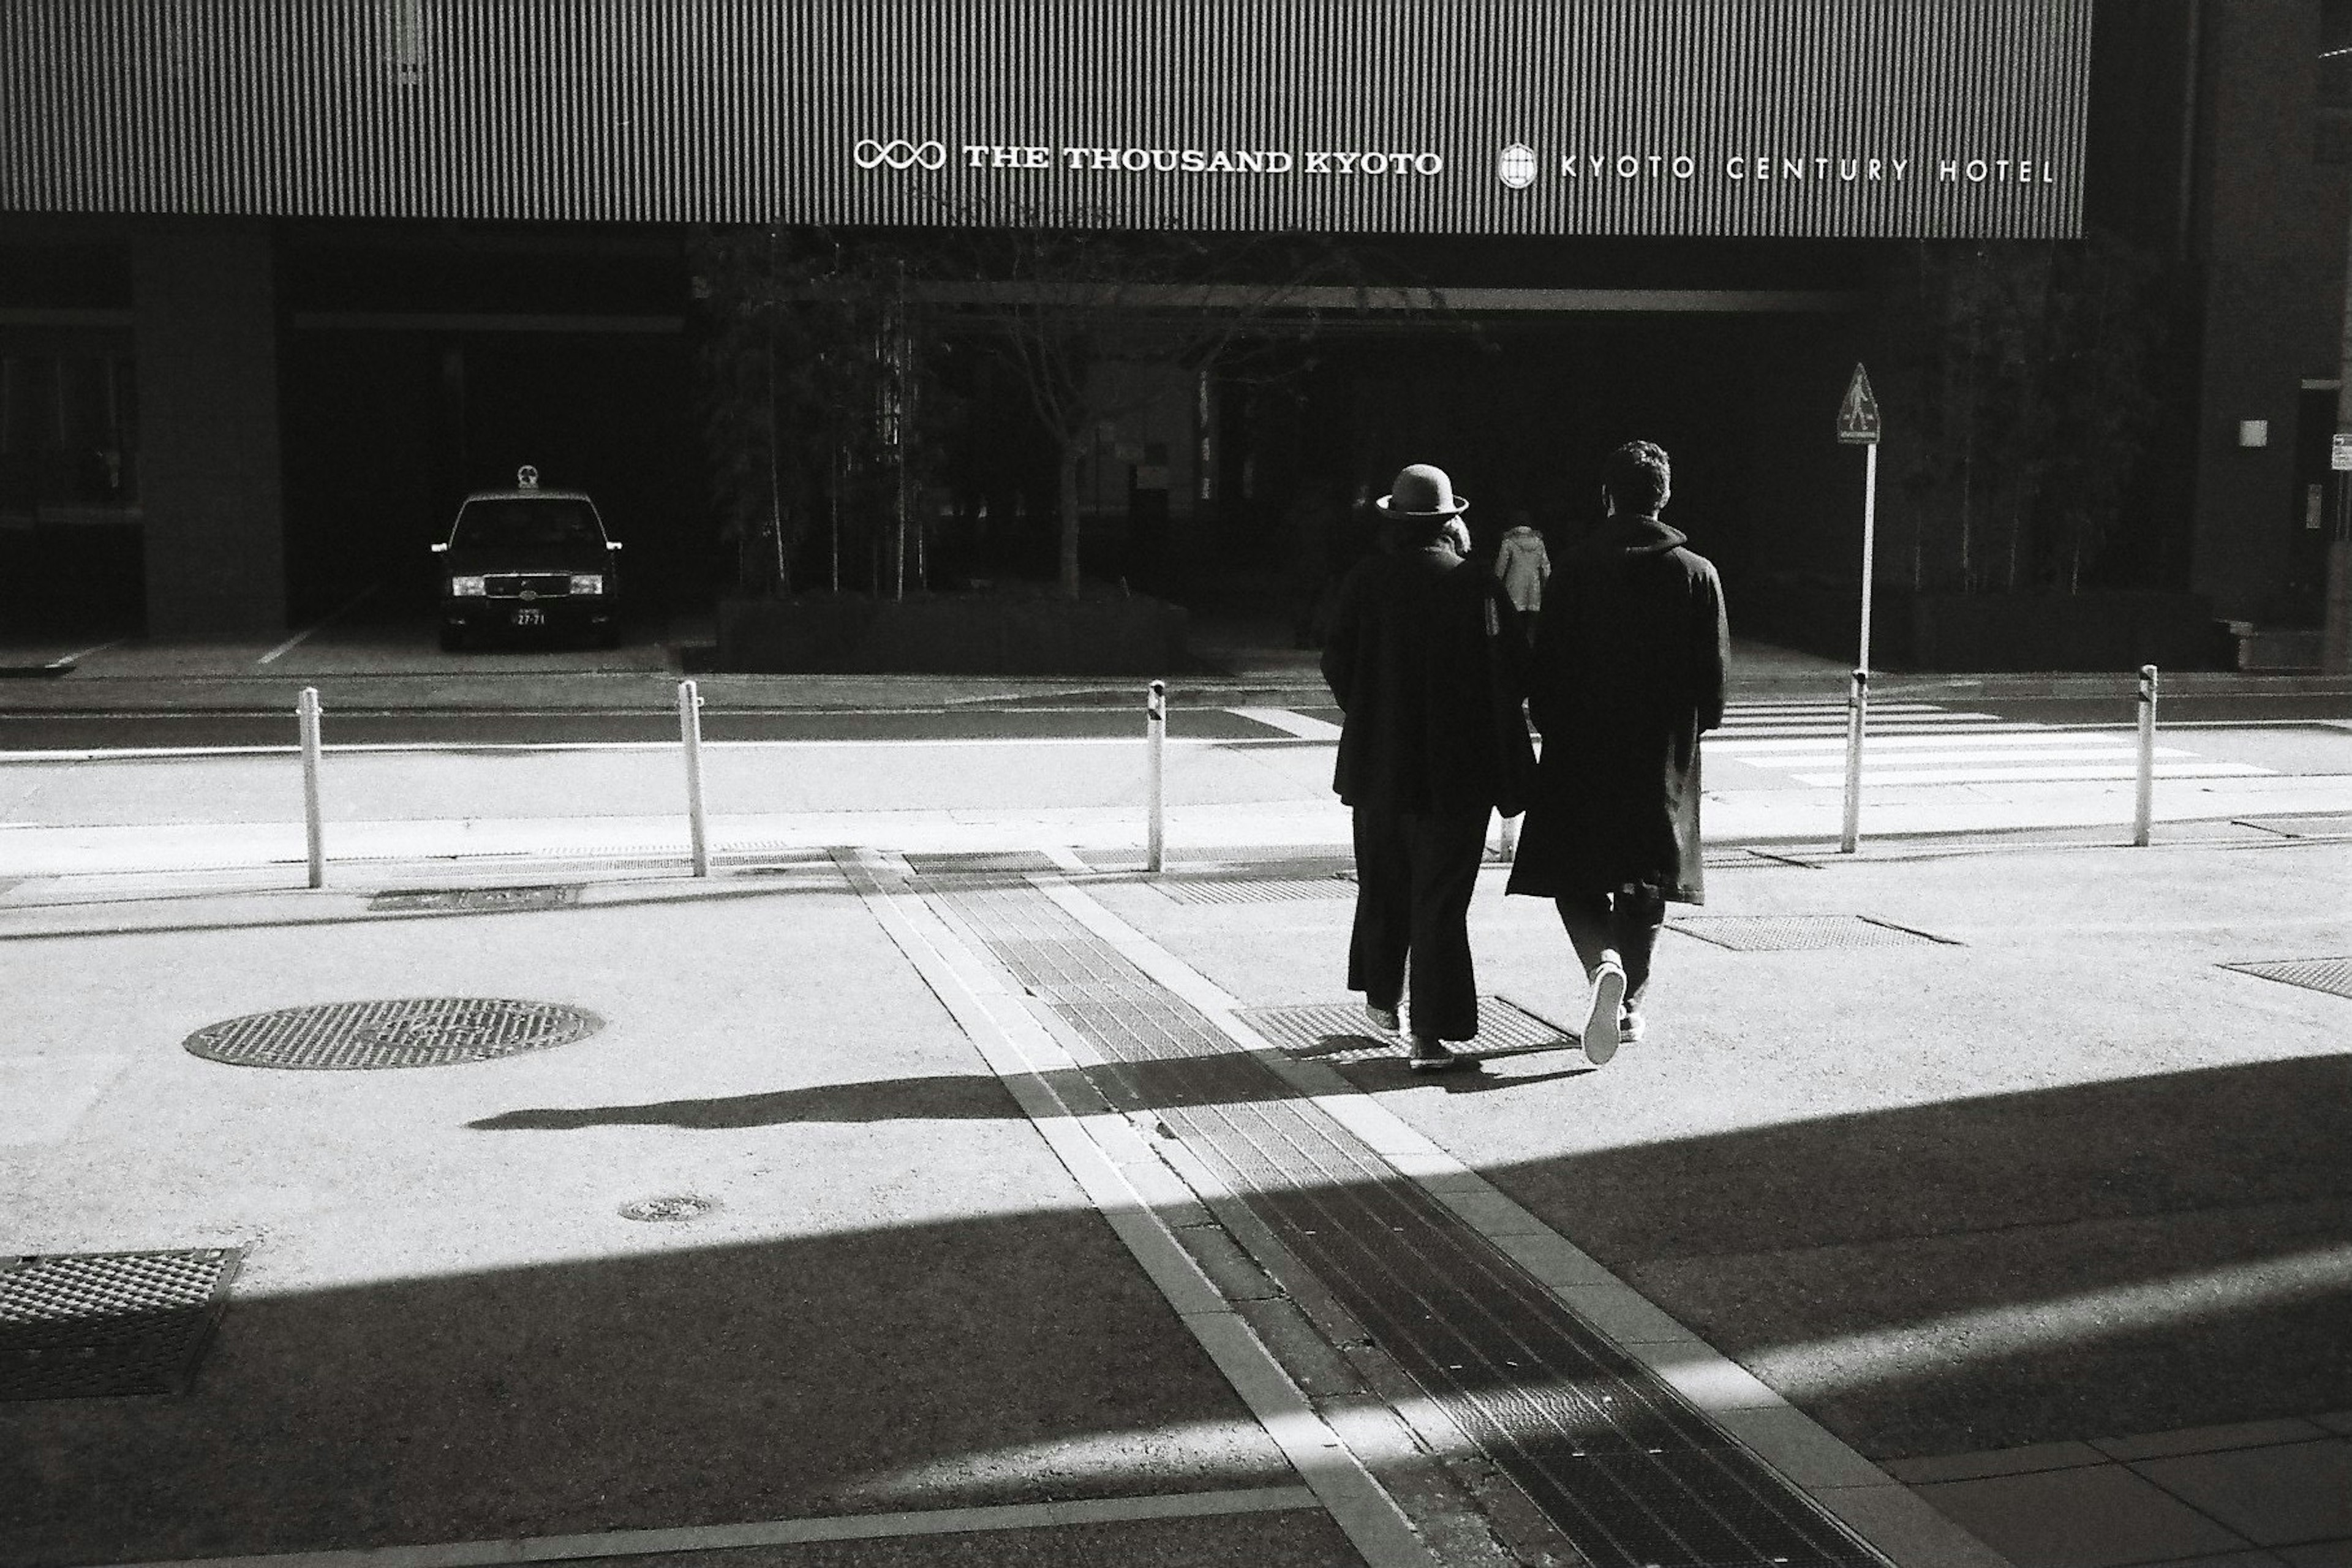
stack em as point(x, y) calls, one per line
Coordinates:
point(1155, 752)
point(1506, 840)
point(1857, 711)
point(689, 735)
point(306, 719)
point(2144, 800)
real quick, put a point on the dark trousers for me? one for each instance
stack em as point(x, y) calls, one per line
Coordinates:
point(1414, 874)
point(1627, 920)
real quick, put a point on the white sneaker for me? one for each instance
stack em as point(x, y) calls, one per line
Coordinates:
point(1603, 1024)
point(1384, 1019)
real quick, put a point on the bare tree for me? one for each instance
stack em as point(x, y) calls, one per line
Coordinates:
point(1059, 303)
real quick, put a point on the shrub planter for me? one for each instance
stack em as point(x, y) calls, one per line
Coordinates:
point(2116, 631)
point(950, 635)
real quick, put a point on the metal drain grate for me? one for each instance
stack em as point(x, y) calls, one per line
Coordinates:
point(101, 1324)
point(963, 863)
point(1338, 1032)
point(430, 1031)
point(2333, 975)
point(1801, 933)
point(1632, 1474)
point(1253, 889)
point(473, 900)
point(2335, 826)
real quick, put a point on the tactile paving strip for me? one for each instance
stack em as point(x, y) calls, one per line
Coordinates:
point(1735, 859)
point(1801, 933)
point(2333, 975)
point(2335, 826)
point(965, 863)
point(415, 1031)
point(1253, 889)
point(100, 1324)
point(1629, 1472)
point(473, 900)
point(1338, 1032)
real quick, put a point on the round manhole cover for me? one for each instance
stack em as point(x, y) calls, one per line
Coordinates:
point(421, 1032)
point(670, 1208)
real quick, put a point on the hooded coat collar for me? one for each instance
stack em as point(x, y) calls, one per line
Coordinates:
point(1636, 536)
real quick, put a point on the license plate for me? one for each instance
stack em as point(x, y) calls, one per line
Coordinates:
point(530, 617)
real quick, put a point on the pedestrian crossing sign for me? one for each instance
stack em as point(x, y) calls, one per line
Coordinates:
point(1857, 420)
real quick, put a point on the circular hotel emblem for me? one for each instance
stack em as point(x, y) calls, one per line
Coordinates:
point(1516, 166)
point(900, 155)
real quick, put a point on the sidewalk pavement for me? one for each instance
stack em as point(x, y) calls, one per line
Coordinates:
point(223, 814)
point(2041, 1228)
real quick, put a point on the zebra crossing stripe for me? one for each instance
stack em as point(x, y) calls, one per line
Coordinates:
point(1924, 744)
point(2056, 773)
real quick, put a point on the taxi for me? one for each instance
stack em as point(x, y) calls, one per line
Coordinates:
point(529, 560)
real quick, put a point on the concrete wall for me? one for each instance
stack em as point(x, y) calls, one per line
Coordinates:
point(203, 305)
point(2268, 224)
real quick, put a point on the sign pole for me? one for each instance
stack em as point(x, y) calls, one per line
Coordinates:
point(1858, 425)
point(1869, 545)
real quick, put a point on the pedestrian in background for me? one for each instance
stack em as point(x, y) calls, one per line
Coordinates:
point(1521, 565)
point(1628, 671)
point(1434, 743)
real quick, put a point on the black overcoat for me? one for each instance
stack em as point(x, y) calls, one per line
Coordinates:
point(1628, 671)
point(1424, 663)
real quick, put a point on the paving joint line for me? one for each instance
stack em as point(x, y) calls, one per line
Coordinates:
point(699, 1538)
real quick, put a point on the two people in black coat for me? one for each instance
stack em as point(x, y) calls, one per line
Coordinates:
point(1627, 672)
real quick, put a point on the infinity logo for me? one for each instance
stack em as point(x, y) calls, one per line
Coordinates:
point(900, 155)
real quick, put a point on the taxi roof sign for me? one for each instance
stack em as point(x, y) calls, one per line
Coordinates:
point(1857, 419)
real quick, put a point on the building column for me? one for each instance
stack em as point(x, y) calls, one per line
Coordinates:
point(204, 306)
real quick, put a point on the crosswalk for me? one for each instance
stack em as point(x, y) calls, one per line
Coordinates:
point(1926, 743)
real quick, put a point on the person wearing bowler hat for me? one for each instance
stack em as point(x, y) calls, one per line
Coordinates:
point(1628, 671)
point(1429, 681)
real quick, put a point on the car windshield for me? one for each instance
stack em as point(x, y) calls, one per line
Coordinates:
point(505, 524)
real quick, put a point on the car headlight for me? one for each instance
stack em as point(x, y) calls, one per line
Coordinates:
point(587, 582)
point(467, 588)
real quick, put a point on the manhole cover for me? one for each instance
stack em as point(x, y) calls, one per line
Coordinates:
point(1254, 889)
point(472, 901)
point(2333, 975)
point(100, 1325)
point(666, 1209)
point(1337, 1031)
point(429, 1031)
point(1801, 933)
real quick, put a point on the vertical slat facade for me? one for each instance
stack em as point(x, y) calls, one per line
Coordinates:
point(1708, 117)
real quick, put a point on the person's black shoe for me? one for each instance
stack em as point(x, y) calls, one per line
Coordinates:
point(1435, 1055)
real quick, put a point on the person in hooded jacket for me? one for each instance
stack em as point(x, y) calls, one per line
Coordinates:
point(1429, 675)
point(1627, 672)
point(1521, 565)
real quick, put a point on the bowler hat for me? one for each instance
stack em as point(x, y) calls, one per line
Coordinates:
point(1422, 490)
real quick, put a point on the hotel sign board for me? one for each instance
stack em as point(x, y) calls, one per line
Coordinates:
point(1832, 118)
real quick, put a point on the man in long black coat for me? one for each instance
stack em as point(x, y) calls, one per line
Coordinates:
point(1422, 661)
point(1628, 672)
